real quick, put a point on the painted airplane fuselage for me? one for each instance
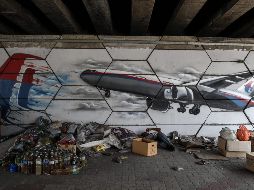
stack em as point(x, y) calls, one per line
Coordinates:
point(154, 89)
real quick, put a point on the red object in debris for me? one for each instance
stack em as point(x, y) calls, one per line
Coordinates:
point(243, 134)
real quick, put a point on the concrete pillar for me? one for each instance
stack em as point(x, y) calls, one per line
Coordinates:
point(141, 13)
point(20, 16)
point(224, 19)
point(100, 15)
point(4, 29)
point(59, 14)
point(186, 11)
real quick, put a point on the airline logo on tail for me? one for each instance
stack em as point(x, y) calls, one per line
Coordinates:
point(248, 87)
point(17, 78)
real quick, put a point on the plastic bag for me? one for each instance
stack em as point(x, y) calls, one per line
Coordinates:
point(227, 134)
point(243, 134)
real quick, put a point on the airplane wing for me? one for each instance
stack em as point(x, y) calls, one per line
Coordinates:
point(218, 82)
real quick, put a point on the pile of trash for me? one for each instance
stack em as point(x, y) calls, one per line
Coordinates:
point(62, 147)
point(191, 141)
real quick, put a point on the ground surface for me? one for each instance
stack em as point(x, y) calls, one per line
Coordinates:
point(139, 172)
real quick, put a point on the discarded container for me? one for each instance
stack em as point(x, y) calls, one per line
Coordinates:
point(144, 147)
point(38, 167)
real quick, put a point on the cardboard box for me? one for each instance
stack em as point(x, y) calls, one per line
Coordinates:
point(250, 161)
point(144, 147)
point(233, 148)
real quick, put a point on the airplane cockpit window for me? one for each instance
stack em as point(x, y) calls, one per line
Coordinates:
point(168, 93)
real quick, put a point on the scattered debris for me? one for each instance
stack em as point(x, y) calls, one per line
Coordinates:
point(119, 159)
point(191, 141)
point(192, 150)
point(211, 155)
point(202, 162)
point(177, 168)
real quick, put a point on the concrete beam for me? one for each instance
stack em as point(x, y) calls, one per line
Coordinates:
point(141, 13)
point(100, 15)
point(4, 29)
point(18, 15)
point(59, 14)
point(224, 19)
point(185, 12)
point(245, 31)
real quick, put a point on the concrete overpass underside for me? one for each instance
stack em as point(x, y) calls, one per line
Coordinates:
point(225, 18)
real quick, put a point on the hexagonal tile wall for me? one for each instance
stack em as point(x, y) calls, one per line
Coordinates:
point(249, 111)
point(227, 118)
point(25, 117)
point(84, 92)
point(127, 84)
point(79, 111)
point(179, 66)
point(233, 54)
point(129, 118)
point(224, 86)
point(249, 61)
point(130, 67)
point(68, 64)
point(129, 51)
point(214, 130)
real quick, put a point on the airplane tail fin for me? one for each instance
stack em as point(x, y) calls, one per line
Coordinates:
point(247, 88)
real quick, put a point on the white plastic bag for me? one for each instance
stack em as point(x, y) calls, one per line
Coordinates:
point(227, 134)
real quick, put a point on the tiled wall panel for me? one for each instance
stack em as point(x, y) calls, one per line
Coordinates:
point(193, 89)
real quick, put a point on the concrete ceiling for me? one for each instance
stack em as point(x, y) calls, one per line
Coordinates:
point(228, 18)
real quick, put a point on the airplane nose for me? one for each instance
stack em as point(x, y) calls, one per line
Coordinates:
point(91, 77)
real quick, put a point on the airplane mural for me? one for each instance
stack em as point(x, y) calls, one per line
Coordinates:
point(28, 85)
point(230, 92)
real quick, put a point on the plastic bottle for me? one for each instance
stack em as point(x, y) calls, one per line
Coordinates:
point(30, 164)
point(46, 165)
point(74, 166)
point(38, 168)
point(56, 159)
point(24, 168)
point(18, 163)
point(61, 161)
point(51, 163)
point(82, 160)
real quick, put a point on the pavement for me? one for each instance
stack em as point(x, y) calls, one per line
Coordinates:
point(138, 172)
